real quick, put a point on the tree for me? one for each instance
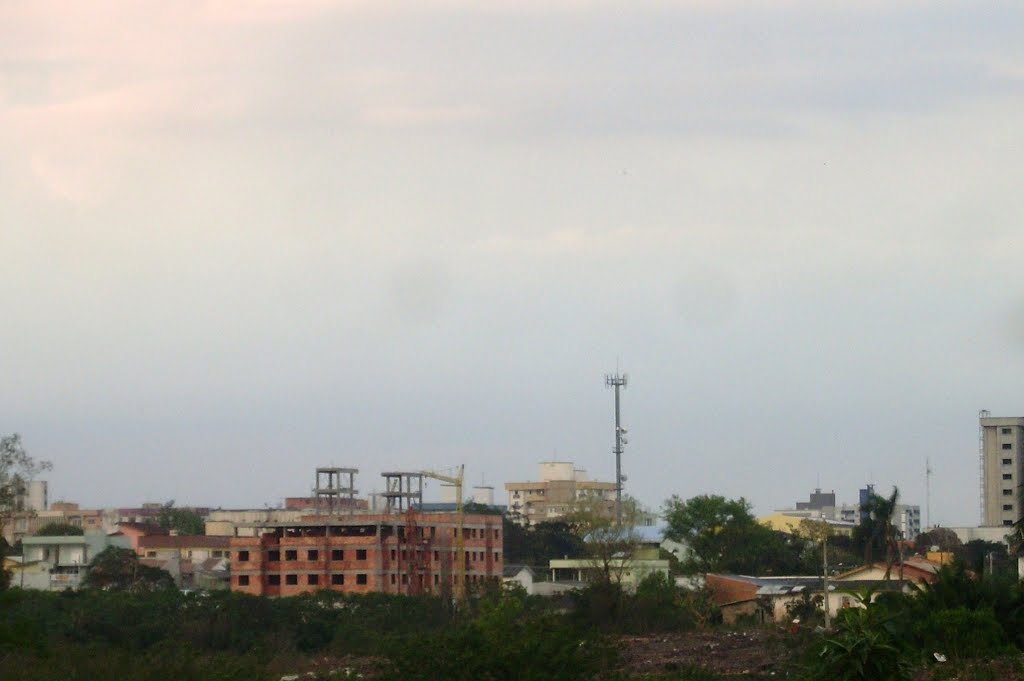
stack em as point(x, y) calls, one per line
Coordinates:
point(539, 543)
point(976, 555)
point(723, 535)
point(877, 532)
point(942, 537)
point(608, 543)
point(59, 530)
point(16, 469)
point(818, 531)
point(181, 520)
point(117, 569)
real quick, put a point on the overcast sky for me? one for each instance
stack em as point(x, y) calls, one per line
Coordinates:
point(242, 239)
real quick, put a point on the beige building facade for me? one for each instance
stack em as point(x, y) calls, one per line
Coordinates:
point(559, 488)
point(1002, 470)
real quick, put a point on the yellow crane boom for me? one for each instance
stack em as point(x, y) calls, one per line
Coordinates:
point(460, 553)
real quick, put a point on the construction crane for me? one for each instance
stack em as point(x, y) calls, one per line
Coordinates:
point(460, 557)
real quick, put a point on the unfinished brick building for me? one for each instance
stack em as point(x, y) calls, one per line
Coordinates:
point(399, 553)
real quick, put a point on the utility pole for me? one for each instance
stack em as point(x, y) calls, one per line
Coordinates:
point(617, 382)
point(824, 561)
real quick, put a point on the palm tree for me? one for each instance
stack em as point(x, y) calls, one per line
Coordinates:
point(881, 511)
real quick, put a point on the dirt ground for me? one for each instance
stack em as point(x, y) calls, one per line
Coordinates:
point(724, 652)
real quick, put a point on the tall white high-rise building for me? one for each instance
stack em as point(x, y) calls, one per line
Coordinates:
point(1002, 440)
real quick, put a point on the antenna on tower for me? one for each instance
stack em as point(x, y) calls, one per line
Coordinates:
point(928, 493)
point(618, 381)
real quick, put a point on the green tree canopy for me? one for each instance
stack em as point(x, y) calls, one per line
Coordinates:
point(117, 569)
point(723, 536)
point(538, 544)
point(59, 530)
point(182, 520)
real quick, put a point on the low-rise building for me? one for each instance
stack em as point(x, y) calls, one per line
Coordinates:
point(627, 570)
point(405, 553)
point(781, 521)
point(58, 563)
point(193, 547)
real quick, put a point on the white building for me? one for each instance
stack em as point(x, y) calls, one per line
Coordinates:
point(1002, 469)
point(58, 563)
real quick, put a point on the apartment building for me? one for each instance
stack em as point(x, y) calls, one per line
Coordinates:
point(407, 553)
point(58, 563)
point(1002, 469)
point(559, 487)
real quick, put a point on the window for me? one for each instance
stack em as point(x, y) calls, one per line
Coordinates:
point(313, 579)
point(1007, 492)
point(243, 580)
point(337, 579)
point(437, 556)
point(1006, 431)
point(291, 555)
point(274, 580)
point(360, 554)
point(1007, 476)
point(337, 554)
point(497, 556)
point(291, 580)
point(392, 579)
point(273, 556)
point(217, 554)
point(1007, 445)
point(394, 555)
point(405, 579)
point(312, 554)
point(152, 554)
point(1007, 507)
point(361, 578)
point(243, 556)
point(1008, 522)
point(1007, 462)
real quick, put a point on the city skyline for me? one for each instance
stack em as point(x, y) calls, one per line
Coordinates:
point(241, 240)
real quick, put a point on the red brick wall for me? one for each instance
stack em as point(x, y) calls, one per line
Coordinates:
point(386, 565)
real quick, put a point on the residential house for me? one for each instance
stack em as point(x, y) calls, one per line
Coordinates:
point(765, 599)
point(57, 563)
point(521, 575)
point(628, 570)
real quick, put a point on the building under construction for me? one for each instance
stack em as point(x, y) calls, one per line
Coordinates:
point(403, 551)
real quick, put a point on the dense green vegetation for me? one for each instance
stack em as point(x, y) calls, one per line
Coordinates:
point(101, 634)
point(724, 536)
point(59, 530)
point(181, 520)
point(954, 621)
point(977, 627)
